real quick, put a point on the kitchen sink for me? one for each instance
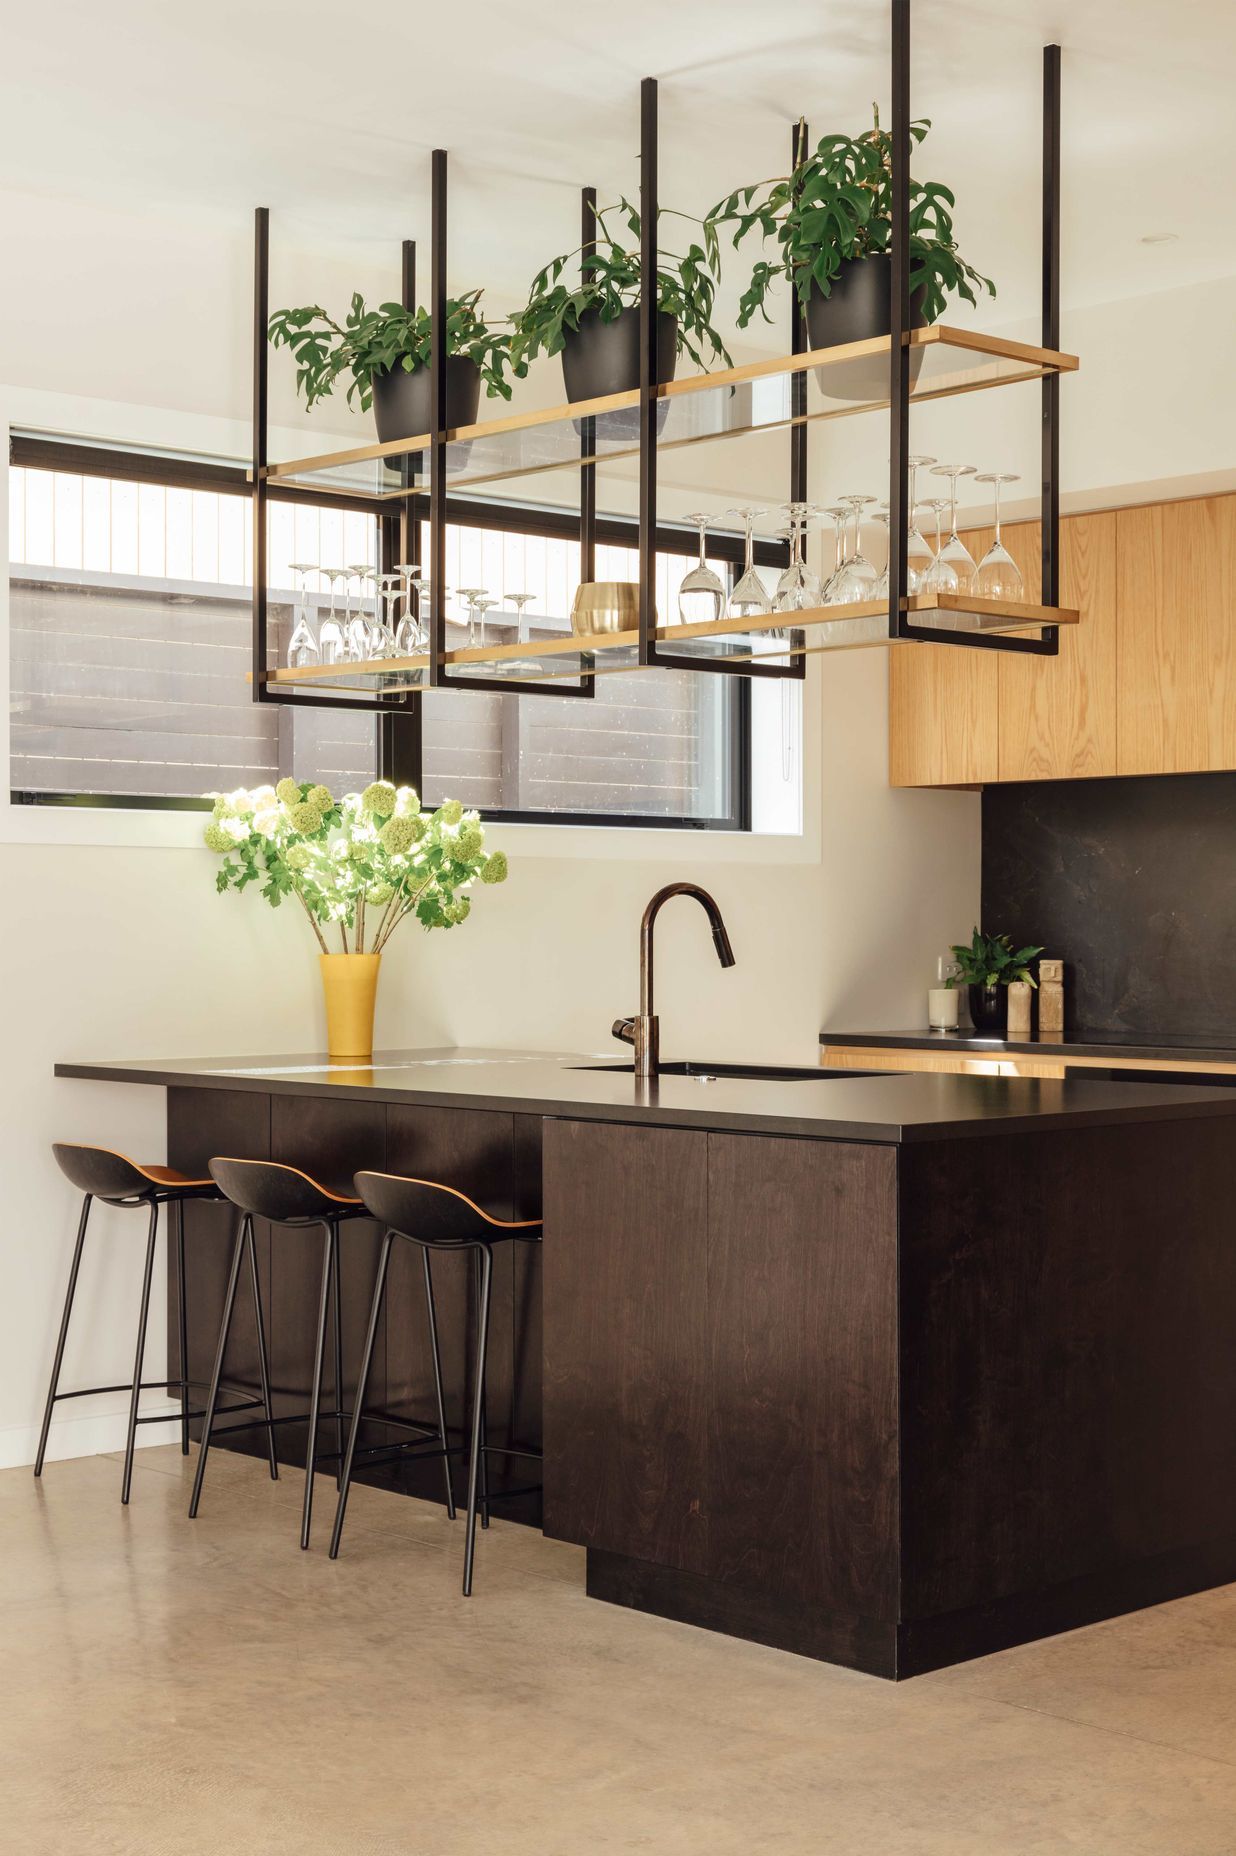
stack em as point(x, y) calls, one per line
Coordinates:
point(744, 1072)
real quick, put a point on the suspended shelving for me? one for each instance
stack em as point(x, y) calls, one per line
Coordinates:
point(408, 482)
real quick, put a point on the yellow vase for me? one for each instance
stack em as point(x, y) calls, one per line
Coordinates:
point(350, 983)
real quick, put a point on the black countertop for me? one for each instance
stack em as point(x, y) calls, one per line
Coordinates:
point(1107, 1046)
point(838, 1106)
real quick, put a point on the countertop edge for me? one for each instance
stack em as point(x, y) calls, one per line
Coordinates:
point(974, 1044)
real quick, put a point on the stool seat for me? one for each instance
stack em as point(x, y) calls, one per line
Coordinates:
point(106, 1174)
point(282, 1194)
point(429, 1212)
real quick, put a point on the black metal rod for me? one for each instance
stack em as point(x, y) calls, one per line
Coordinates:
point(478, 1413)
point(437, 443)
point(63, 1335)
point(261, 351)
point(263, 1361)
point(439, 1401)
point(362, 1381)
point(899, 322)
point(1050, 595)
point(648, 209)
point(337, 1330)
point(798, 345)
point(588, 427)
point(178, 1213)
point(315, 1396)
point(142, 1319)
point(212, 1399)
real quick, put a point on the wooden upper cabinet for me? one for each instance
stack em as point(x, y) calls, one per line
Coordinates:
point(1176, 654)
point(1058, 715)
point(942, 716)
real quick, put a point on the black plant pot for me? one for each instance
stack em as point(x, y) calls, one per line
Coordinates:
point(859, 306)
point(600, 358)
point(403, 402)
point(988, 1007)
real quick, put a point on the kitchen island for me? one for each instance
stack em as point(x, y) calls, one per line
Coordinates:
point(887, 1370)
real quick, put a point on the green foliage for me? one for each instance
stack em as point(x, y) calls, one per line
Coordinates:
point(371, 341)
point(609, 283)
point(838, 205)
point(367, 861)
point(992, 960)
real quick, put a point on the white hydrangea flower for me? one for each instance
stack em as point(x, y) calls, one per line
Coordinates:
point(236, 828)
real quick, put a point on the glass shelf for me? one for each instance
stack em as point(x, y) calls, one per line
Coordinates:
point(560, 655)
point(696, 411)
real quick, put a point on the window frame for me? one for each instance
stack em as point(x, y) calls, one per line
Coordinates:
point(398, 743)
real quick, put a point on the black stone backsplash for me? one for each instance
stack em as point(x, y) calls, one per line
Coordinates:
point(1132, 882)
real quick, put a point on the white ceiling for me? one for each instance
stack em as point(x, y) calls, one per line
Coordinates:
point(326, 113)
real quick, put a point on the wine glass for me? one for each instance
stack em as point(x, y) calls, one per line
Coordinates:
point(919, 558)
point(857, 577)
point(798, 589)
point(838, 515)
point(382, 631)
point(701, 597)
point(883, 516)
point(481, 606)
point(955, 551)
point(355, 619)
point(998, 575)
point(749, 599)
point(520, 666)
point(332, 643)
point(470, 595)
point(302, 645)
point(941, 576)
point(407, 632)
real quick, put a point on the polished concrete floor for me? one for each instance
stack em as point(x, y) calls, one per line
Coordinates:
point(206, 1689)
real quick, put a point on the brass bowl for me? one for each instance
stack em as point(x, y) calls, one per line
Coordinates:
point(605, 606)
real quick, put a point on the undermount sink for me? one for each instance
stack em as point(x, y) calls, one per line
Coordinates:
point(744, 1072)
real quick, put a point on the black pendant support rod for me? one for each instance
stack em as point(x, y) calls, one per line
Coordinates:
point(1051, 331)
point(437, 445)
point(798, 345)
point(899, 322)
point(588, 427)
point(261, 318)
point(648, 208)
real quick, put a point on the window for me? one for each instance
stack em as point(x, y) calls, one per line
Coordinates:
point(130, 638)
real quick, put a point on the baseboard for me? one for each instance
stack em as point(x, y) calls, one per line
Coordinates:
point(82, 1433)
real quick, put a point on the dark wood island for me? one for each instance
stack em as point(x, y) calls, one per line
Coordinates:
point(890, 1371)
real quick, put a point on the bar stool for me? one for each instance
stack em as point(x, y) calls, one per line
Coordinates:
point(286, 1197)
point(438, 1218)
point(101, 1173)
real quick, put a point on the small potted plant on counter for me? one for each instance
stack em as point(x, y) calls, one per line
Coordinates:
point(358, 867)
point(595, 325)
point(386, 352)
point(986, 968)
point(832, 219)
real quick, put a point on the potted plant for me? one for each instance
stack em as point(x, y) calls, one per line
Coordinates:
point(358, 867)
point(386, 352)
point(595, 326)
point(832, 219)
point(986, 968)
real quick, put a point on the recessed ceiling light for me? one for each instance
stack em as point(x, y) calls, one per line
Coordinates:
point(1159, 238)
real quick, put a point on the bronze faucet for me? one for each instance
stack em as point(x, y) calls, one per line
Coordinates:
point(642, 1033)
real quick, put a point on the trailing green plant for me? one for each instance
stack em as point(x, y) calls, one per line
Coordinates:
point(992, 960)
point(372, 341)
point(837, 205)
point(361, 864)
point(610, 282)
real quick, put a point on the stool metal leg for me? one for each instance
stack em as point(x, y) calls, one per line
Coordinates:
point(484, 1432)
point(263, 1362)
point(229, 1302)
point(63, 1335)
point(315, 1401)
point(478, 1409)
point(178, 1212)
point(362, 1382)
point(141, 1350)
point(338, 1356)
point(437, 1382)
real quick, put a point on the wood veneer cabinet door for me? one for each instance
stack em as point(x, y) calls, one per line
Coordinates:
point(1058, 715)
point(626, 1340)
point(1176, 653)
point(802, 1283)
point(943, 716)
